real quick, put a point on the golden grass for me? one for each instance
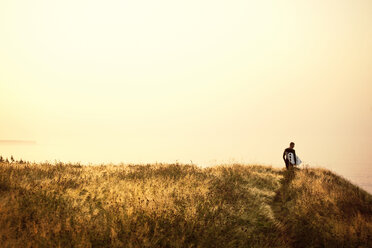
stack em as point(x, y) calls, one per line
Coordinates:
point(325, 210)
point(174, 205)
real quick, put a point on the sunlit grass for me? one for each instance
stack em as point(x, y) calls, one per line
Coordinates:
point(174, 205)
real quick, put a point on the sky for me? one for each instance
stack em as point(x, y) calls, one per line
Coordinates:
point(203, 81)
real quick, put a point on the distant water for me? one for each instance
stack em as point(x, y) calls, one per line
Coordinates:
point(359, 173)
point(354, 165)
point(362, 180)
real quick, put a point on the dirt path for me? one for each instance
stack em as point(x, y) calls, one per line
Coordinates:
point(281, 210)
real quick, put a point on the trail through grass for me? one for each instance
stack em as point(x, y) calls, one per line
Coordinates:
point(316, 208)
point(174, 205)
point(281, 210)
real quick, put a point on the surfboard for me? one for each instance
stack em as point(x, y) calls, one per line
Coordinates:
point(291, 159)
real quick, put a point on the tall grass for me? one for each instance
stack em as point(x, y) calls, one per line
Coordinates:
point(325, 210)
point(174, 205)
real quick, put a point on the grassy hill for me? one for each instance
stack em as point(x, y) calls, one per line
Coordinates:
point(173, 205)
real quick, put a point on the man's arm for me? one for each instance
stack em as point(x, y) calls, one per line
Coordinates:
point(294, 153)
point(284, 155)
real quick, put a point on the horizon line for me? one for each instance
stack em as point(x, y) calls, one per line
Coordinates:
point(26, 142)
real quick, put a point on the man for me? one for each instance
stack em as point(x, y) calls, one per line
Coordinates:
point(285, 155)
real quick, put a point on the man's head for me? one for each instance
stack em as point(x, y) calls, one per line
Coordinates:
point(291, 145)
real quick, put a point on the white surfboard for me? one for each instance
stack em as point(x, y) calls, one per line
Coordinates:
point(291, 159)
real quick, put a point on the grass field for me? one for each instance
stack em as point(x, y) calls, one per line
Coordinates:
point(175, 205)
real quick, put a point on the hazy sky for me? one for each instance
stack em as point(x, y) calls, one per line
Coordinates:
point(207, 81)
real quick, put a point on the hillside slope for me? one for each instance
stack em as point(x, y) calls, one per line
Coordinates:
point(173, 205)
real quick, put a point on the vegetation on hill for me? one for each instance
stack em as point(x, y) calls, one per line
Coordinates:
point(174, 205)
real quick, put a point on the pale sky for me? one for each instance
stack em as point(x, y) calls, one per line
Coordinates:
point(207, 81)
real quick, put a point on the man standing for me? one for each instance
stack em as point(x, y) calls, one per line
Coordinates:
point(285, 155)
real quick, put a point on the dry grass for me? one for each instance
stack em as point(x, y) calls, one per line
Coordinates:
point(324, 210)
point(173, 205)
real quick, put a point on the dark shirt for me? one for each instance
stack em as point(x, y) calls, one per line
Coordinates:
point(286, 151)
